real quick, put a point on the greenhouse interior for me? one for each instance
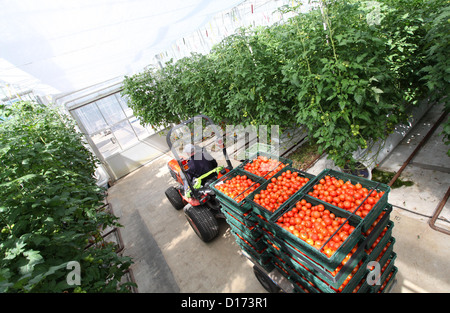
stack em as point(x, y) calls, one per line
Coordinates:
point(233, 148)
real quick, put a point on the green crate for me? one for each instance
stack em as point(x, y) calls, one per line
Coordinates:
point(385, 273)
point(311, 276)
point(246, 218)
point(373, 256)
point(387, 261)
point(241, 206)
point(363, 287)
point(389, 281)
point(264, 224)
point(253, 232)
point(258, 209)
point(367, 256)
point(330, 284)
point(253, 156)
point(325, 273)
point(356, 279)
point(389, 250)
point(383, 240)
point(258, 244)
point(258, 252)
point(322, 277)
point(262, 257)
point(298, 246)
point(264, 262)
point(383, 257)
point(298, 196)
point(369, 184)
point(379, 226)
point(317, 285)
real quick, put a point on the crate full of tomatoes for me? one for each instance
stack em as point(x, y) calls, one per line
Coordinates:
point(234, 187)
point(321, 232)
point(276, 192)
point(321, 245)
point(362, 197)
point(264, 164)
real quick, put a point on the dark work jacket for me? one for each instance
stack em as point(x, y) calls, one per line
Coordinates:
point(198, 165)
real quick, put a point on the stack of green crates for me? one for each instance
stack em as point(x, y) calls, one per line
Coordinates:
point(370, 269)
point(243, 223)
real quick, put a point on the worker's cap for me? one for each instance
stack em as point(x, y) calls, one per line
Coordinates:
point(189, 149)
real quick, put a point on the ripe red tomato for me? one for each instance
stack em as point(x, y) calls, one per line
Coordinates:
point(315, 226)
point(237, 187)
point(280, 189)
point(263, 166)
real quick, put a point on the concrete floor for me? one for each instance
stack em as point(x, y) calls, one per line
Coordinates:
point(423, 254)
point(169, 257)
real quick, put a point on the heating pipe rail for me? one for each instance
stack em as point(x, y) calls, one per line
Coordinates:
point(419, 146)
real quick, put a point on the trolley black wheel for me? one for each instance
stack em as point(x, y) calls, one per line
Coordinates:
point(265, 280)
point(174, 197)
point(202, 221)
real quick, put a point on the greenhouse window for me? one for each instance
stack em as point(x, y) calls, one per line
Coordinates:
point(111, 125)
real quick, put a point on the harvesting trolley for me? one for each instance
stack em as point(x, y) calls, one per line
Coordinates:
point(199, 204)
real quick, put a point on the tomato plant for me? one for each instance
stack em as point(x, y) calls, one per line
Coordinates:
point(49, 206)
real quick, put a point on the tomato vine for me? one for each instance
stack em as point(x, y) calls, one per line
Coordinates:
point(49, 207)
point(347, 70)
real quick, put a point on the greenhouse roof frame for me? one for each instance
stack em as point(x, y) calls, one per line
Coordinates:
point(73, 44)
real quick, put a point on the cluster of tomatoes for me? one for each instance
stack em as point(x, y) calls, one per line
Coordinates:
point(356, 268)
point(263, 166)
point(353, 272)
point(344, 283)
point(346, 195)
point(238, 187)
point(371, 268)
point(280, 189)
point(368, 251)
point(336, 271)
point(315, 225)
point(386, 281)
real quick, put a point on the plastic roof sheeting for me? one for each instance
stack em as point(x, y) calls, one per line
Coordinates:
point(72, 44)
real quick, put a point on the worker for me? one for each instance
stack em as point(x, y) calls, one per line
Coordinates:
point(199, 163)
